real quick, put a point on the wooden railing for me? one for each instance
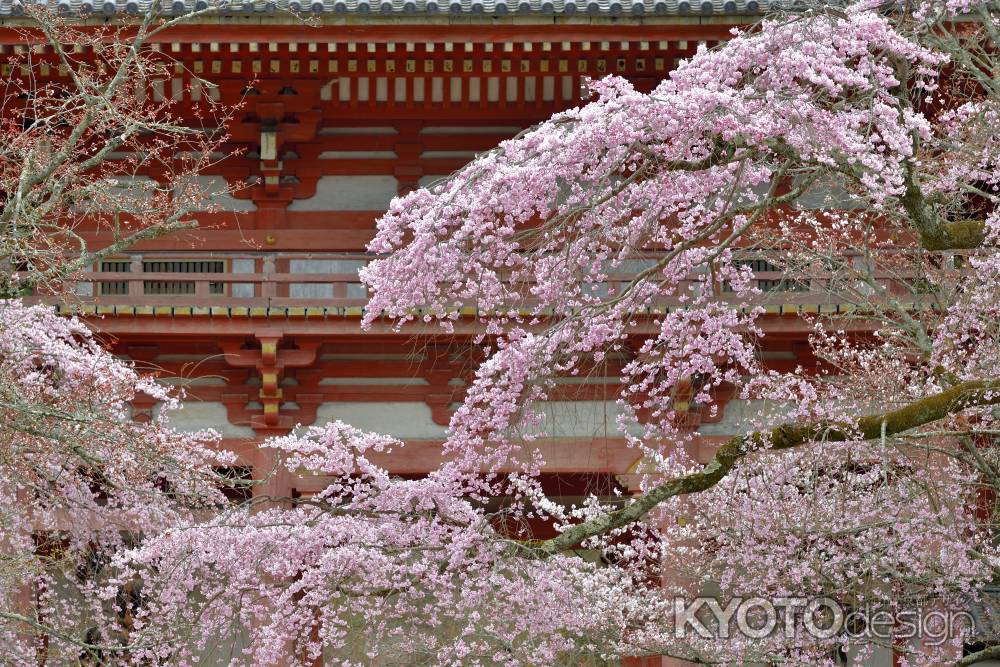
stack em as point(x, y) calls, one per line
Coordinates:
point(317, 280)
point(250, 280)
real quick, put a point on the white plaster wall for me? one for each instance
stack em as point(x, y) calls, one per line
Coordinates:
point(357, 155)
point(310, 290)
point(737, 415)
point(324, 290)
point(467, 129)
point(582, 419)
point(214, 189)
point(349, 193)
point(410, 419)
point(401, 419)
point(395, 382)
point(591, 419)
point(243, 290)
point(356, 291)
point(195, 416)
point(325, 265)
point(826, 193)
point(430, 179)
point(448, 154)
point(377, 129)
point(132, 193)
point(881, 657)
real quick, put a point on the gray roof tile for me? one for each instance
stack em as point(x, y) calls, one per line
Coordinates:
point(411, 7)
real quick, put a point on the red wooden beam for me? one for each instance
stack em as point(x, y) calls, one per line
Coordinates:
point(375, 31)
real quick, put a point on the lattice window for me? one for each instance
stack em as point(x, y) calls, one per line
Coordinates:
point(782, 284)
point(115, 287)
point(181, 266)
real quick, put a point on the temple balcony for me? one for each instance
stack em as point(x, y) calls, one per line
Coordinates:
point(306, 285)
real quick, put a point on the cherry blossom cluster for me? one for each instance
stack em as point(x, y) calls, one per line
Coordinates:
point(80, 479)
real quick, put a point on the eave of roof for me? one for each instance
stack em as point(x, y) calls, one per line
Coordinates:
point(737, 11)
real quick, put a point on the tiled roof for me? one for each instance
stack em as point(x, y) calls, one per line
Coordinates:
point(418, 7)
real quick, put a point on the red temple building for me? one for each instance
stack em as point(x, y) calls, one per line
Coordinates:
point(258, 311)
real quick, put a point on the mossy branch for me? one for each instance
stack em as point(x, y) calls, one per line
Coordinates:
point(787, 436)
point(988, 653)
point(962, 235)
